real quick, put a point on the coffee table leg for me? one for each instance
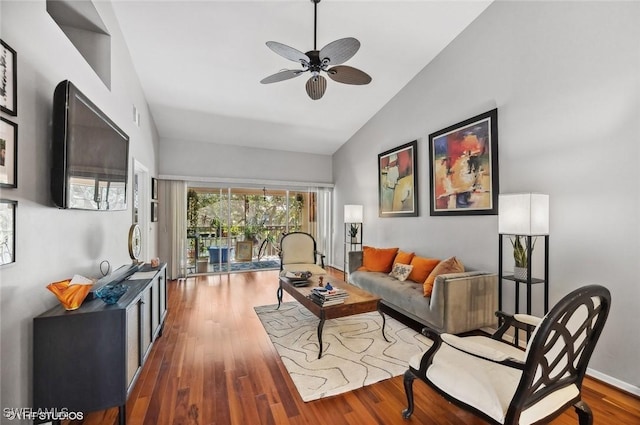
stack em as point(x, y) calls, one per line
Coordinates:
point(320, 326)
point(384, 322)
point(279, 294)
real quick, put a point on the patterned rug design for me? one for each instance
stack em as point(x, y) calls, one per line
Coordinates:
point(355, 353)
point(247, 266)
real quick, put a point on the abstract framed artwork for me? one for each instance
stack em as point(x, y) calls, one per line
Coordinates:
point(8, 153)
point(398, 181)
point(464, 167)
point(7, 231)
point(8, 79)
point(154, 211)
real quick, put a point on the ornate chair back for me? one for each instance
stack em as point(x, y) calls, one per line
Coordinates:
point(559, 350)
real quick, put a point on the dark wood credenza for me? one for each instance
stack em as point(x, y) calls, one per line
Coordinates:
point(89, 359)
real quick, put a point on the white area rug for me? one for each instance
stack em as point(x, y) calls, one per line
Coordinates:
point(355, 353)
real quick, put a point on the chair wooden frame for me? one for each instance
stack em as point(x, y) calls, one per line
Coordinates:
point(540, 376)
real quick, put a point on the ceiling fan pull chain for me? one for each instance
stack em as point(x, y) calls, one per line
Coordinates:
point(315, 23)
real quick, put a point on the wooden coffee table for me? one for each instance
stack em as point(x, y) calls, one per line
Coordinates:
point(358, 301)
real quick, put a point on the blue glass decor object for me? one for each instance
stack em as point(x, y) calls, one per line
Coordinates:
point(111, 292)
point(328, 286)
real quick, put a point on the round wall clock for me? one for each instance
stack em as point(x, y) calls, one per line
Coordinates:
point(135, 242)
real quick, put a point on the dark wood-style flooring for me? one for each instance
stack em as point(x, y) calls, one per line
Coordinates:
point(215, 364)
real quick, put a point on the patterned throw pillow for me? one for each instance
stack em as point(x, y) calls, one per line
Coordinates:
point(401, 271)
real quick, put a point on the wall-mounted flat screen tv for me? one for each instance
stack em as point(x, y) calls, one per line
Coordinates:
point(90, 161)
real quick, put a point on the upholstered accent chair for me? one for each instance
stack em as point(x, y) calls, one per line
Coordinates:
point(298, 253)
point(503, 384)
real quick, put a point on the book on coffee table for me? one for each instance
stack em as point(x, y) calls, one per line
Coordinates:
point(327, 297)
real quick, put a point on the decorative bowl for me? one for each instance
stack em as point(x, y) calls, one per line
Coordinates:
point(111, 292)
point(70, 296)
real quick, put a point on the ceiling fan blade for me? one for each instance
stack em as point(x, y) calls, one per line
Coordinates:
point(281, 76)
point(288, 52)
point(348, 75)
point(316, 87)
point(339, 51)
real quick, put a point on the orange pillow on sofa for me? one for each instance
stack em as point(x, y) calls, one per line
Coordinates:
point(450, 265)
point(421, 268)
point(378, 259)
point(403, 257)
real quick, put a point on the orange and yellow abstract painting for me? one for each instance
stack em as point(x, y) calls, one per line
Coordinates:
point(464, 168)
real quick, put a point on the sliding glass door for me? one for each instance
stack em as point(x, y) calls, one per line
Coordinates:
point(234, 229)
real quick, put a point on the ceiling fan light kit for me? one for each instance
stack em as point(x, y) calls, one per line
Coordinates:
point(317, 61)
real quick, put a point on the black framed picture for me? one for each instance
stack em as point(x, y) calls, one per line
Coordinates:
point(8, 79)
point(8, 153)
point(398, 181)
point(7, 231)
point(154, 188)
point(154, 211)
point(463, 160)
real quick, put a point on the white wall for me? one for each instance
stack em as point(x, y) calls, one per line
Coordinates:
point(565, 77)
point(206, 160)
point(54, 244)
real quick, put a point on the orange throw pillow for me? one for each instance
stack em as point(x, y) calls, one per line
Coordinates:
point(421, 268)
point(403, 257)
point(378, 259)
point(450, 265)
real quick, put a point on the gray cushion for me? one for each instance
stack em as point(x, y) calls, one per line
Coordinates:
point(406, 297)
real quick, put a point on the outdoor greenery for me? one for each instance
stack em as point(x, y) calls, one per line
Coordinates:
point(255, 217)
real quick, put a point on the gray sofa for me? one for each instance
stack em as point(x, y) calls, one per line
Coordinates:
point(460, 302)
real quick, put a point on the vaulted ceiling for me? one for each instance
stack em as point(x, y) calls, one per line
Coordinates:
point(200, 64)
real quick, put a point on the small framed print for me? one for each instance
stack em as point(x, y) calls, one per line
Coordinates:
point(244, 250)
point(8, 153)
point(7, 231)
point(154, 188)
point(154, 211)
point(8, 79)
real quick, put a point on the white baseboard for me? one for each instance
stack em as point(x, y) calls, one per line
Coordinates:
point(336, 267)
point(614, 382)
point(632, 389)
point(624, 386)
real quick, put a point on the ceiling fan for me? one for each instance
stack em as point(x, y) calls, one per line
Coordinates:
point(316, 61)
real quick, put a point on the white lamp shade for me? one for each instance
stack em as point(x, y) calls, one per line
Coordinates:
point(523, 214)
point(353, 213)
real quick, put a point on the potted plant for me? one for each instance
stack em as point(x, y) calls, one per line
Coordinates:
point(353, 232)
point(520, 257)
point(253, 231)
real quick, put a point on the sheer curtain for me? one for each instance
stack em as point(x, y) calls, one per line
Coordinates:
point(323, 222)
point(175, 227)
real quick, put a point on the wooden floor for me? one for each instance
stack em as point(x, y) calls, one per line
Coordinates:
point(215, 364)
